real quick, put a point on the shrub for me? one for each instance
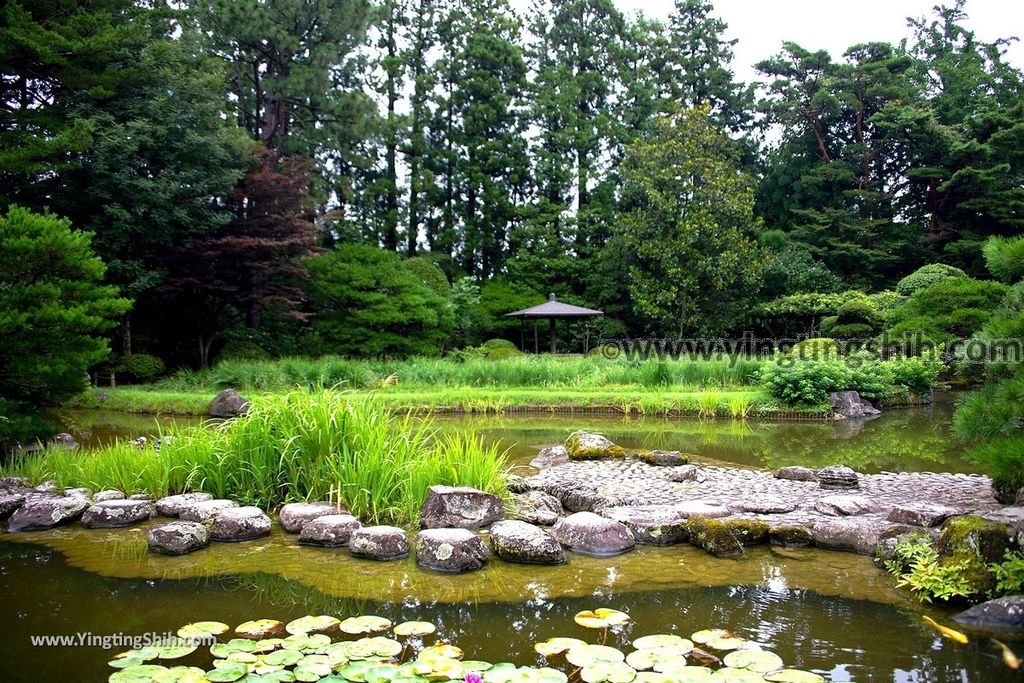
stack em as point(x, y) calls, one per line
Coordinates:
point(1009, 574)
point(428, 272)
point(1004, 459)
point(856, 319)
point(1004, 258)
point(243, 349)
point(926, 276)
point(917, 566)
point(805, 383)
point(816, 348)
point(916, 374)
point(143, 367)
point(951, 309)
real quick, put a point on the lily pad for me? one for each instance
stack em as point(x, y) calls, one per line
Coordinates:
point(260, 628)
point(311, 624)
point(382, 673)
point(662, 641)
point(668, 658)
point(226, 674)
point(310, 671)
point(601, 618)
point(364, 624)
point(499, 673)
point(761, 661)
point(181, 674)
point(304, 642)
point(126, 660)
point(176, 651)
point(283, 658)
point(652, 677)
point(476, 666)
point(794, 676)
point(732, 675)
point(203, 629)
point(414, 628)
point(691, 674)
point(446, 669)
point(608, 672)
point(440, 651)
point(591, 654)
point(143, 673)
point(706, 635)
point(355, 671)
point(243, 657)
point(730, 643)
point(556, 646)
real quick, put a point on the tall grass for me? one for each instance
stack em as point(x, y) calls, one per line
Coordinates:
point(303, 445)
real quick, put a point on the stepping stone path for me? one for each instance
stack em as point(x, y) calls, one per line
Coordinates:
point(46, 513)
point(591, 534)
point(764, 504)
point(536, 507)
point(381, 543)
point(796, 473)
point(921, 514)
point(113, 514)
point(652, 524)
point(550, 456)
point(172, 506)
point(239, 524)
point(846, 506)
point(516, 541)
point(294, 516)
point(860, 534)
point(178, 538)
point(331, 531)
point(450, 550)
point(460, 507)
point(204, 511)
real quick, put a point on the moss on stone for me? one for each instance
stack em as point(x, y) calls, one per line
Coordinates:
point(790, 536)
point(662, 458)
point(748, 531)
point(715, 536)
point(591, 446)
point(972, 543)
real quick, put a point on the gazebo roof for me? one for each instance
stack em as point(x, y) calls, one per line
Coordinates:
point(554, 309)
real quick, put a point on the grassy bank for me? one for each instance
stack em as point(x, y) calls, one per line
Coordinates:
point(303, 445)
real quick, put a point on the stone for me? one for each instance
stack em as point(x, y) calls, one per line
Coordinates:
point(1003, 616)
point(516, 484)
point(228, 403)
point(294, 516)
point(591, 446)
point(972, 543)
point(172, 506)
point(178, 538)
point(690, 508)
point(13, 482)
point(379, 543)
point(714, 537)
point(665, 458)
point(535, 507)
point(763, 504)
point(109, 494)
point(141, 496)
point(62, 440)
point(921, 514)
point(81, 492)
point(550, 457)
point(652, 524)
point(859, 534)
point(46, 513)
point(684, 473)
point(516, 541)
point(846, 506)
point(748, 531)
point(47, 486)
point(848, 405)
point(451, 550)
point(885, 550)
point(837, 477)
point(790, 536)
point(9, 502)
point(460, 507)
point(331, 531)
point(592, 534)
point(204, 510)
point(796, 473)
point(239, 524)
point(113, 514)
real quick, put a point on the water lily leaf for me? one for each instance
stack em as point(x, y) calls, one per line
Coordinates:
point(225, 674)
point(203, 629)
point(709, 634)
point(652, 677)
point(610, 672)
point(650, 658)
point(283, 658)
point(260, 628)
point(730, 643)
point(143, 673)
point(442, 651)
point(732, 675)
point(664, 641)
point(794, 676)
point(548, 675)
point(601, 618)
point(761, 661)
point(181, 674)
point(499, 673)
point(304, 642)
point(556, 646)
point(476, 666)
point(311, 624)
point(364, 624)
point(125, 660)
point(273, 677)
point(383, 647)
point(243, 657)
point(382, 673)
point(590, 654)
point(176, 651)
point(311, 671)
point(269, 644)
point(691, 674)
point(446, 669)
point(415, 628)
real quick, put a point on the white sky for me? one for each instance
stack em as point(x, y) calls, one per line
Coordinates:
point(762, 25)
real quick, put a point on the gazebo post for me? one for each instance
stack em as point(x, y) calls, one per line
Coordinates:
point(522, 335)
point(536, 347)
point(551, 329)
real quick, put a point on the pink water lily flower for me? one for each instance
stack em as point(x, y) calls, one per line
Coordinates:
point(474, 678)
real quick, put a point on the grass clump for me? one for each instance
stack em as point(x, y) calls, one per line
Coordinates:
point(303, 445)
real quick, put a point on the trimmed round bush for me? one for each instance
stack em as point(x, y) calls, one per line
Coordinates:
point(927, 275)
point(143, 367)
point(243, 349)
point(817, 347)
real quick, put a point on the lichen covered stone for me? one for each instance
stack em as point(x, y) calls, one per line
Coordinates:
point(591, 446)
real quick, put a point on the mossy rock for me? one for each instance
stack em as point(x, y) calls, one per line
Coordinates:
point(748, 531)
point(975, 542)
point(790, 536)
point(591, 446)
point(715, 536)
point(664, 458)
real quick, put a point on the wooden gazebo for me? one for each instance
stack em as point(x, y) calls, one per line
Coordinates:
point(552, 310)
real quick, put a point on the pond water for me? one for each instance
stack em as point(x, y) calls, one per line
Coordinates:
point(834, 613)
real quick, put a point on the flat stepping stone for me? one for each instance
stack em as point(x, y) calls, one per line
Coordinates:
point(47, 513)
point(921, 514)
point(592, 534)
point(858, 534)
point(382, 543)
point(172, 506)
point(9, 502)
point(516, 541)
point(846, 506)
point(114, 514)
point(178, 538)
point(109, 494)
point(536, 507)
point(330, 531)
point(684, 473)
point(204, 510)
point(697, 507)
point(796, 473)
point(664, 458)
point(837, 477)
point(294, 516)
point(460, 507)
point(790, 536)
point(240, 524)
point(764, 505)
point(550, 457)
point(452, 550)
point(652, 524)
point(1003, 616)
point(81, 492)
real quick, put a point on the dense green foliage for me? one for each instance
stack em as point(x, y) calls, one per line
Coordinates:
point(927, 275)
point(948, 310)
point(54, 310)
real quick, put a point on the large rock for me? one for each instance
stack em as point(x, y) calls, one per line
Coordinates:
point(240, 524)
point(684, 473)
point(665, 458)
point(535, 507)
point(790, 536)
point(379, 543)
point(46, 513)
point(848, 405)
point(62, 440)
point(837, 477)
point(460, 507)
point(294, 516)
point(652, 524)
point(80, 492)
point(228, 403)
point(1003, 616)
point(204, 510)
point(859, 534)
point(13, 482)
point(172, 506)
point(109, 494)
point(516, 541)
point(714, 537)
point(591, 446)
point(846, 506)
point(453, 550)
point(331, 531)
point(591, 534)
point(971, 544)
point(921, 514)
point(550, 457)
point(113, 514)
point(692, 508)
point(178, 538)
point(796, 473)
point(9, 502)
point(763, 504)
